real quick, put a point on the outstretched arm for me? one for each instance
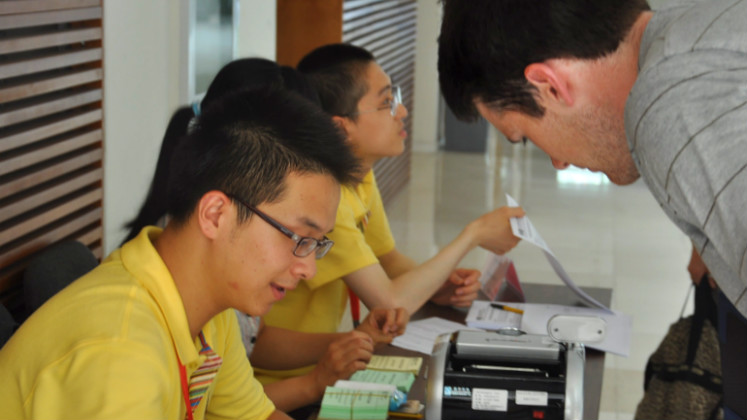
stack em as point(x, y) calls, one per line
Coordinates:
point(459, 290)
point(411, 289)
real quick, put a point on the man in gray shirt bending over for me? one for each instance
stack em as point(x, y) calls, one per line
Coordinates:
point(614, 87)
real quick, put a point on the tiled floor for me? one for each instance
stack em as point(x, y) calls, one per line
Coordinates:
point(604, 235)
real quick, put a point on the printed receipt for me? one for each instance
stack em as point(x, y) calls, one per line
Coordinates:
point(524, 229)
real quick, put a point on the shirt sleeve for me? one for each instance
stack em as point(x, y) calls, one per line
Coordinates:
point(378, 233)
point(350, 252)
point(358, 243)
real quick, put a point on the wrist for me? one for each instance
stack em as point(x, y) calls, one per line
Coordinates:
point(314, 384)
point(470, 235)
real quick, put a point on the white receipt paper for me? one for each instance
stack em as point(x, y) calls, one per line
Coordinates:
point(523, 228)
point(421, 335)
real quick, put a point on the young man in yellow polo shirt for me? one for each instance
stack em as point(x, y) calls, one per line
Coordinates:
point(360, 97)
point(151, 332)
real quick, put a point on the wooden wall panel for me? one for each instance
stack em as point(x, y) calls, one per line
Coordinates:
point(303, 25)
point(51, 137)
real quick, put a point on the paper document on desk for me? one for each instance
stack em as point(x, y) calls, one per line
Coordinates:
point(395, 363)
point(616, 340)
point(482, 315)
point(421, 335)
point(523, 228)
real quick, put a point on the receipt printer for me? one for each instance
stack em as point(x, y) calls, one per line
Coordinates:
point(504, 374)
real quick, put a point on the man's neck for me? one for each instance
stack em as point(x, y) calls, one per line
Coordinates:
point(182, 250)
point(633, 40)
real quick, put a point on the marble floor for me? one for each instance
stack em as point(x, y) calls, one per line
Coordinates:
point(604, 235)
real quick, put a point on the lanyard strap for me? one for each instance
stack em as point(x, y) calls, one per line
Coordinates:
point(355, 308)
point(185, 388)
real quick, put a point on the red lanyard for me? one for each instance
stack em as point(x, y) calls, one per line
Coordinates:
point(185, 388)
point(355, 308)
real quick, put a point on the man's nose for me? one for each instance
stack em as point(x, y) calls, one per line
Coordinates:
point(401, 111)
point(304, 268)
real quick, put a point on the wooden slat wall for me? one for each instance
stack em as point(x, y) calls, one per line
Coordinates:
point(387, 29)
point(51, 137)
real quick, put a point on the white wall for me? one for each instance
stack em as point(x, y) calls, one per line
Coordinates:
point(257, 29)
point(427, 93)
point(140, 92)
point(143, 59)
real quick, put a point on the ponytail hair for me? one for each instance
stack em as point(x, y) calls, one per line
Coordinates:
point(154, 207)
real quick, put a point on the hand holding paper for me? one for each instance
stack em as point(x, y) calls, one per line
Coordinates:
point(493, 230)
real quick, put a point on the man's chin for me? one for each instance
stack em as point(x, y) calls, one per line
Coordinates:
point(623, 179)
point(258, 311)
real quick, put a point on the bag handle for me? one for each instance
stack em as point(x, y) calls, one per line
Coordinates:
point(705, 308)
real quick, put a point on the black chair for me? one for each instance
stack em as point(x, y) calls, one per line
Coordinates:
point(8, 325)
point(54, 268)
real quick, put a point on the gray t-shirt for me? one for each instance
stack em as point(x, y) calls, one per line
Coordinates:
point(686, 123)
point(249, 326)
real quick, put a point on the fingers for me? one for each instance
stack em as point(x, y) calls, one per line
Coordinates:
point(493, 230)
point(382, 324)
point(464, 300)
point(374, 325)
point(354, 345)
point(513, 211)
point(402, 317)
point(385, 320)
point(466, 294)
point(388, 323)
point(464, 276)
point(344, 356)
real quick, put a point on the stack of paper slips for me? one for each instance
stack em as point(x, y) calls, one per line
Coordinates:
point(356, 404)
point(402, 380)
point(395, 363)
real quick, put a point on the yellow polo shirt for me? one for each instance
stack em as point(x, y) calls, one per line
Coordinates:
point(108, 346)
point(361, 235)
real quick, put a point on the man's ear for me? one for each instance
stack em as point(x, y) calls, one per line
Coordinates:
point(552, 85)
point(213, 211)
point(343, 124)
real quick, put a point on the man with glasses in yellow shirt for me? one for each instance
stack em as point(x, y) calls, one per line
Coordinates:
point(151, 332)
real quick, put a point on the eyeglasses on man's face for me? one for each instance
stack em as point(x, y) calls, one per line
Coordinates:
point(305, 245)
point(391, 105)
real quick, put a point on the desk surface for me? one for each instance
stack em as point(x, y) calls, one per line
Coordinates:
point(534, 293)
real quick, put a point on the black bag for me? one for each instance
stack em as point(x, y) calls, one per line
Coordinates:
point(683, 375)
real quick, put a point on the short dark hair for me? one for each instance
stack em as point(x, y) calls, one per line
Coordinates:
point(244, 73)
point(247, 143)
point(485, 45)
point(336, 72)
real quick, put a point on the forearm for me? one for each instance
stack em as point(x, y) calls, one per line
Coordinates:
point(293, 393)
point(413, 288)
point(396, 263)
point(278, 348)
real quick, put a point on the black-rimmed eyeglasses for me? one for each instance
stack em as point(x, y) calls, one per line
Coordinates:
point(304, 245)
